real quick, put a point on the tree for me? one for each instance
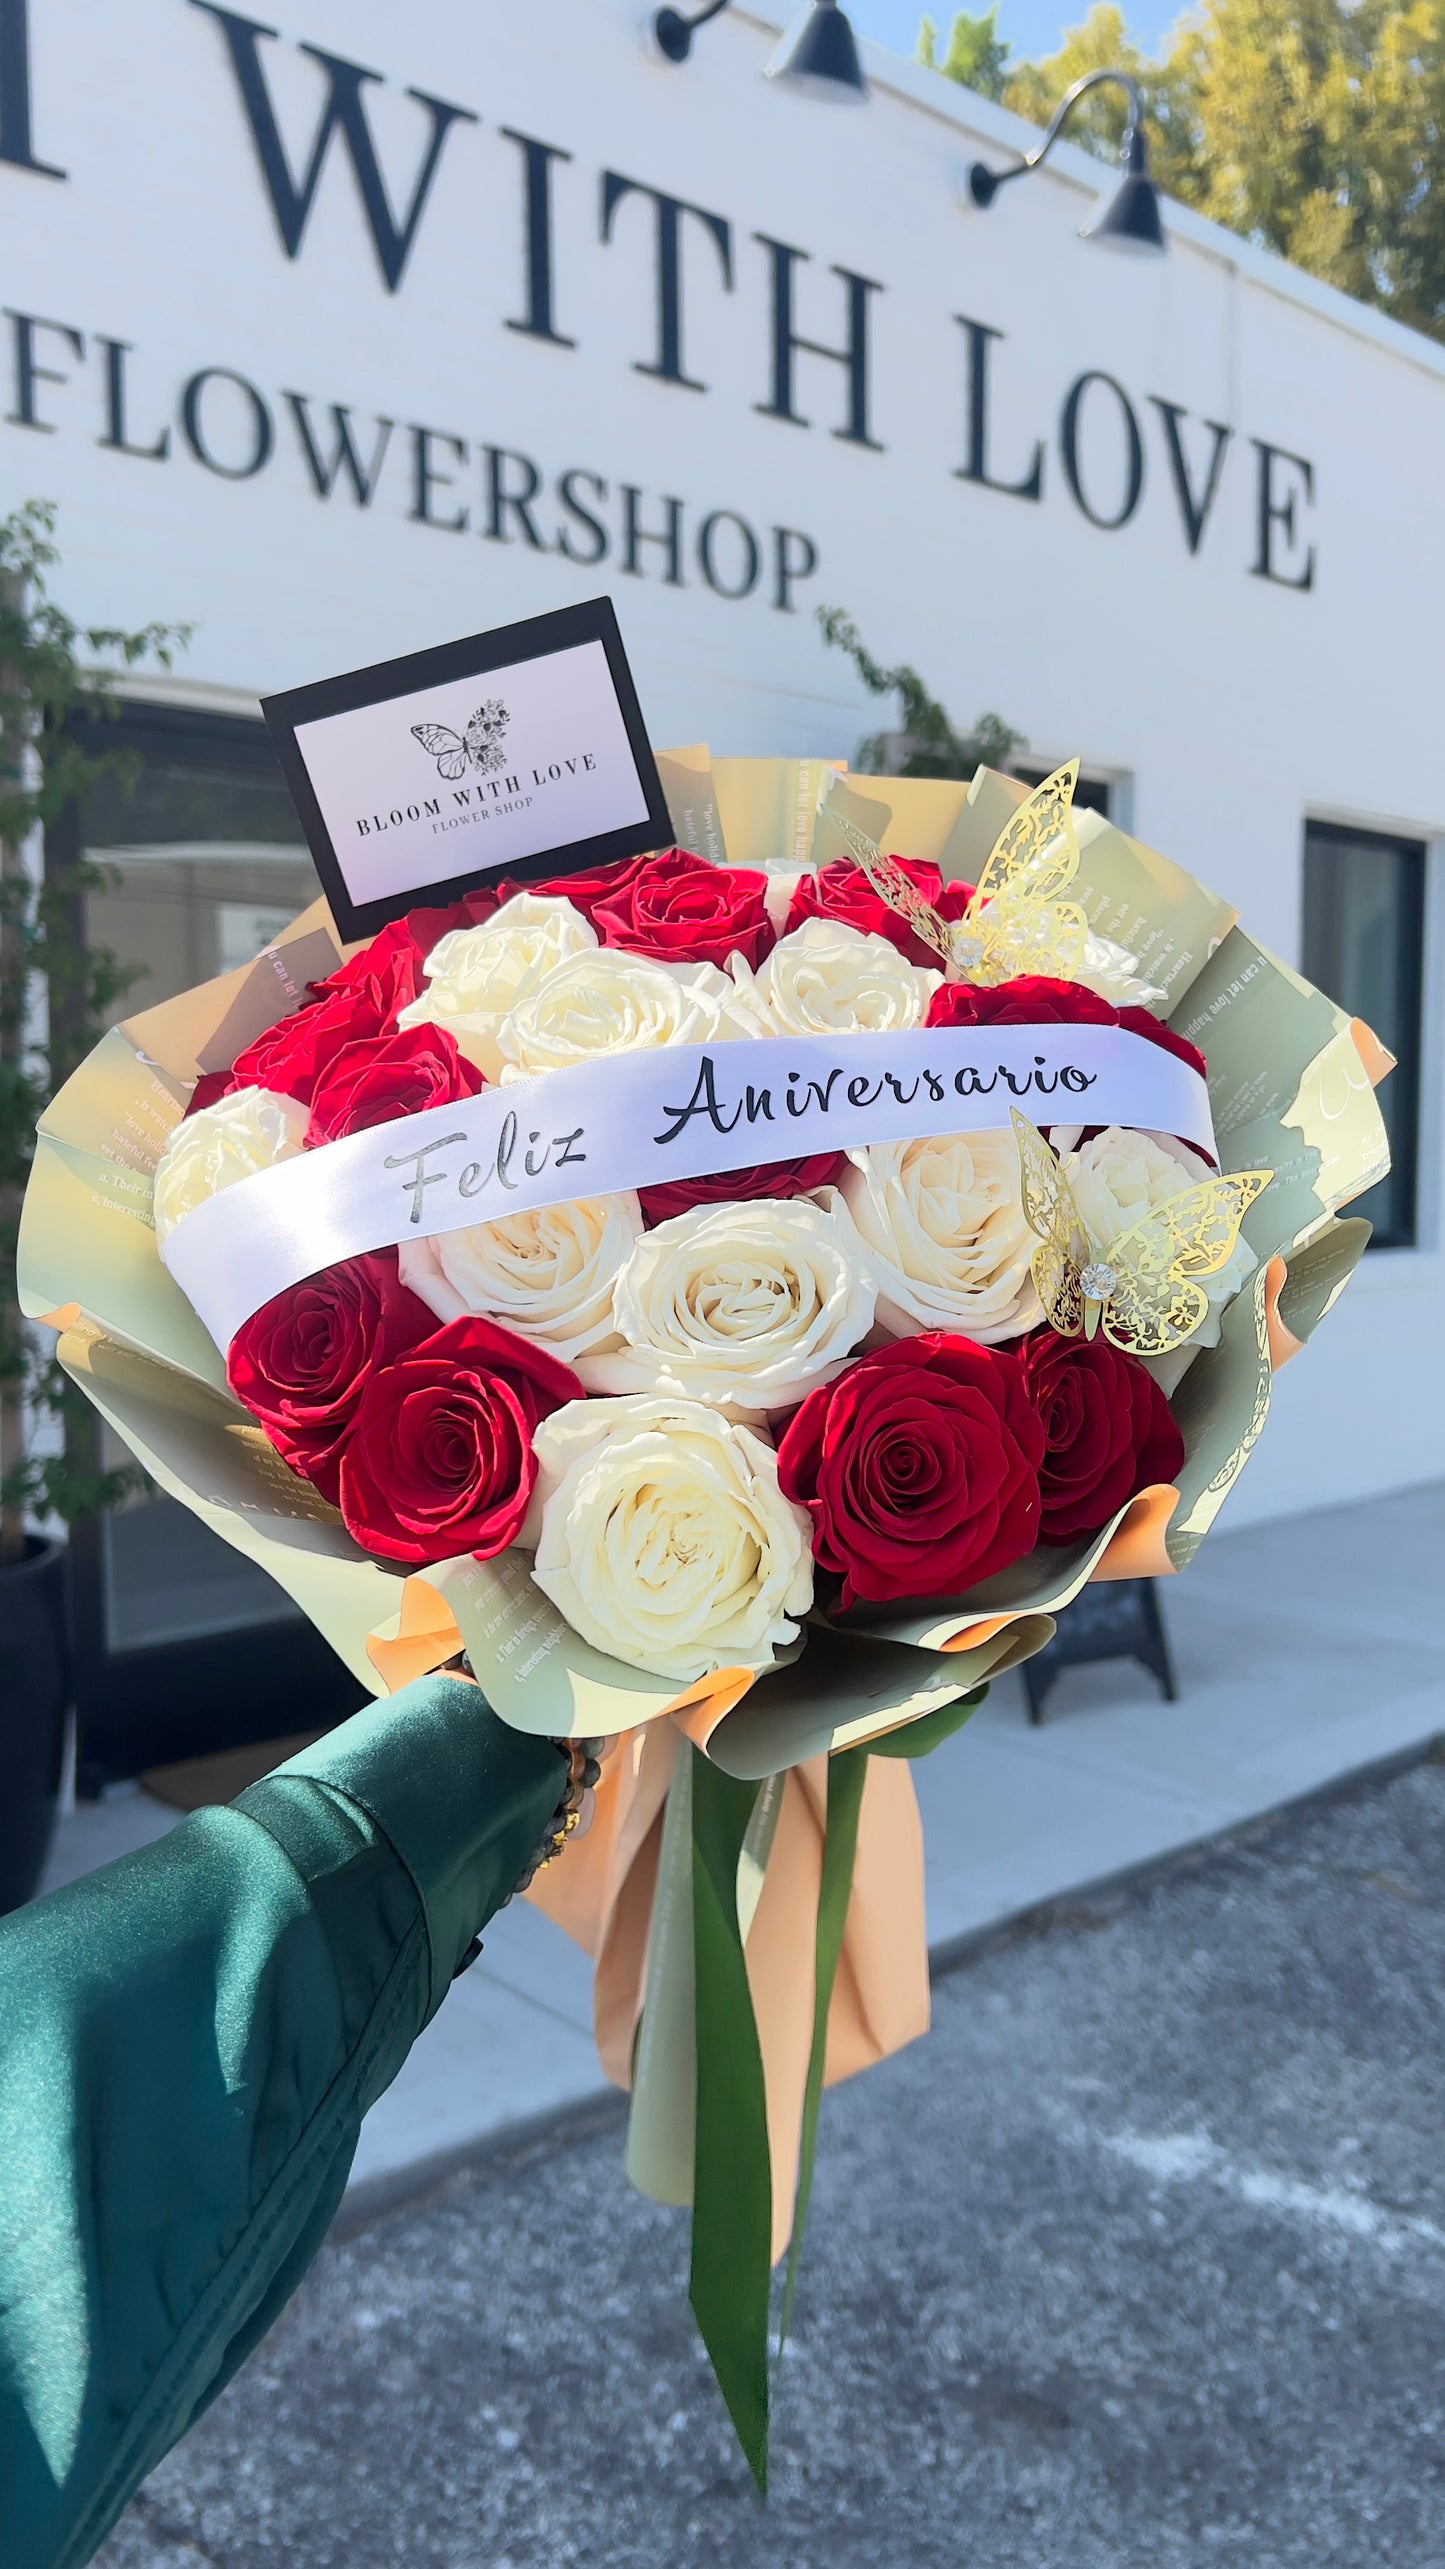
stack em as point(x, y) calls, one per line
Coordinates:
point(1103, 43)
point(1312, 127)
point(55, 990)
point(1320, 136)
point(977, 56)
point(929, 744)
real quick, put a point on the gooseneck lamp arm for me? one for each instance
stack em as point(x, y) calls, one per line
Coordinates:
point(817, 58)
point(673, 33)
point(984, 183)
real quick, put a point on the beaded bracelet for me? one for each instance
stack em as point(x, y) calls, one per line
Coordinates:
point(583, 1770)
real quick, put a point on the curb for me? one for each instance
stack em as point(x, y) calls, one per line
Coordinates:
point(376, 2196)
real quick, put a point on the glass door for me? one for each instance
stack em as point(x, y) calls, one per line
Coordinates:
point(183, 1647)
point(1364, 943)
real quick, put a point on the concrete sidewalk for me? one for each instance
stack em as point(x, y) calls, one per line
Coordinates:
point(1136, 2263)
point(1306, 1649)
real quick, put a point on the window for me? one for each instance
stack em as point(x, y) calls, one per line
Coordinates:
point(1364, 938)
point(207, 853)
point(1091, 793)
point(183, 1647)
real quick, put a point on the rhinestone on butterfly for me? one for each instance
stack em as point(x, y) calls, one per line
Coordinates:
point(1142, 1287)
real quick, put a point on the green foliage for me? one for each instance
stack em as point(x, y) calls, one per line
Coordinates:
point(1102, 43)
point(56, 991)
point(977, 56)
point(1312, 127)
point(932, 747)
point(1318, 133)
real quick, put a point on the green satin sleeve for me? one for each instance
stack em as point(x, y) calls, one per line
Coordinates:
point(188, 2042)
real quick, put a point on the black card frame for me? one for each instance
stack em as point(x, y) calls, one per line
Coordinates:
point(535, 638)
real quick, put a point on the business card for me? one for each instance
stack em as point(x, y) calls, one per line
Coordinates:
point(519, 752)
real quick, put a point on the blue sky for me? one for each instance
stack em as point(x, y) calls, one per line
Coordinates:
point(1029, 26)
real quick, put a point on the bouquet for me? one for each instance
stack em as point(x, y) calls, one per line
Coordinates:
point(738, 1295)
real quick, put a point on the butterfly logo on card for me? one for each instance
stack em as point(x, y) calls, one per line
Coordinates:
point(480, 746)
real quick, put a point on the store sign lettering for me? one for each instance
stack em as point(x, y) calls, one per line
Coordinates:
point(343, 114)
point(16, 144)
point(1101, 451)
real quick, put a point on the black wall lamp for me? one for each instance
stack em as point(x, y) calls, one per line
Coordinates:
point(818, 56)
point(1127, 220)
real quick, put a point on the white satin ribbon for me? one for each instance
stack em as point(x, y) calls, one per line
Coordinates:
point(644, 1118)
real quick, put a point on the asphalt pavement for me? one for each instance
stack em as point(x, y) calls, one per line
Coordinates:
point(1138, 2262)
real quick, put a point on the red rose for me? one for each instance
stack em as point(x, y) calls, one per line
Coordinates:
point(919, 1468)
point(683, 909)
point(386, 975)
point(209, 1089)
point(440, 1460)
point(1108, 1430)
point(1035, 1000)
point(585, 889)
point(293, 1054)
point(303, 1361)
point(739, 1186)
point(1142, 1021)
point(842, 891)
point(360, 1000)
point(387, 1075)
point(392, 962)
point(1032, 1000)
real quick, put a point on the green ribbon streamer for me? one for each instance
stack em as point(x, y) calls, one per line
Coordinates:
point(847, 1775)
point(732, 2216)
point(920, 1738)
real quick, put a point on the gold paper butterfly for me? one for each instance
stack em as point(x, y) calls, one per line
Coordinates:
point(1014, 922)
point(893, 886)
point(1141, 1286)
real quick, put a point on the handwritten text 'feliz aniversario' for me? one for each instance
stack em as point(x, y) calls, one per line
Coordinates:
point(722, 1108)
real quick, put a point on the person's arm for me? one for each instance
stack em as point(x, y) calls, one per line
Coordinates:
point(188, 2042)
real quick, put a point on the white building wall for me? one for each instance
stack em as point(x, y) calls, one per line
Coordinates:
point(1231, 705)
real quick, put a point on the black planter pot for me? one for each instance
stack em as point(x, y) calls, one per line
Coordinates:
point(34, 1700)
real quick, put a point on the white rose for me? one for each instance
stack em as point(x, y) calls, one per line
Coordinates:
point(1113, 973)
point(745, 1306)
point(476, 975)
point(249, 1130)
point(665, 1539)
point(549, 1274)
point(609, 1002)
point(1120, 1176)
point(943, 1222)
point(829, 979)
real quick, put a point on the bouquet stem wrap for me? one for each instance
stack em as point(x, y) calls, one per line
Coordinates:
point(725, 2111)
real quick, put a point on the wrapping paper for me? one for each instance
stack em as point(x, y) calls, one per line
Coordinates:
point(1291, 1081)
